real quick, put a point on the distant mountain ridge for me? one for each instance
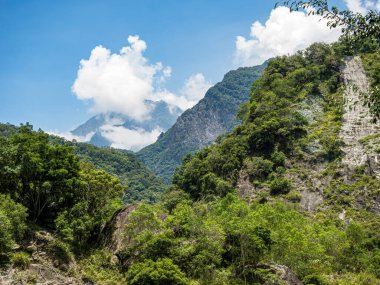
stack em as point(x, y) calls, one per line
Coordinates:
point(199, 126)
point(162, 117)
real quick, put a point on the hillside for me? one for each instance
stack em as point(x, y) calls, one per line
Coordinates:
point(200, 126)
point(141, 183)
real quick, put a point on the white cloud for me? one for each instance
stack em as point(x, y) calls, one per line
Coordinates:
point(356, 6)
point(124, 138)
point(70, 137)
point(284, 33)
point(194, 89)
point(121, 82)
point(360, 6)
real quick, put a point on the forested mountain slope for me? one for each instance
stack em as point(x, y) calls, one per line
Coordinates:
point(200, 126)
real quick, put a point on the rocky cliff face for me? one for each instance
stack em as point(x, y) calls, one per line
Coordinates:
point(358, 132)
point(200, 126)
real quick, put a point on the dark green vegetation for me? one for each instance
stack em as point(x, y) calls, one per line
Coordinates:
point(141, 184)
point(200, 126)
point(56, 190)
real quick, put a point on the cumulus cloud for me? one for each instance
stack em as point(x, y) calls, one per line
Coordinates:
point(119, 82)
point(124, 138)
point(360, 6)
point(122, 82)
point(194, 89)
point(70, 137)
point(283, 33)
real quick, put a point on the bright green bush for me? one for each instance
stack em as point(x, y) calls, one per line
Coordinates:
point(21, 260)
point(258, 168)
point(98, 268)
point(294, 196)
point(12, 223)
point(159, 272)
point(280, 185)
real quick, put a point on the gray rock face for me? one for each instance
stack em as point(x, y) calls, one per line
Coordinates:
point(112, 235)
point(283, 274)
point(357, 123)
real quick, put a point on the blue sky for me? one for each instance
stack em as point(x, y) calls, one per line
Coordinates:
point(42, 43)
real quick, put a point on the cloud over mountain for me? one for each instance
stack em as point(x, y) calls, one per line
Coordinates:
point(123, 82)
point(283, 33)
point(126, 83)
point(131, 139)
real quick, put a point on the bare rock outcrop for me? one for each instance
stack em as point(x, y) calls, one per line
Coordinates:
point(357, 126)
point(112, 235)
point(283, 274)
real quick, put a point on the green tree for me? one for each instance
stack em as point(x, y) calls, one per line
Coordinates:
point(12, 223)
point(43, 176)
point(97, 197)
point(160, 272)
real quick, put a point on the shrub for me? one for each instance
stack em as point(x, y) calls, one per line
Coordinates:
point(21, 260)
point(258, 168)
point(61, 251)
point(278, 158)
point(12, 223)
point(280, 185)
point(6, 240)
point(98, 268)
point(314, 280)
point(163, 271)
point(294, 196)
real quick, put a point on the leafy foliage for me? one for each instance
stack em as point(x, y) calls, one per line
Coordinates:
point(159, 272)
point(139, 182)
point(355, 26)
point(56, 190)
point(12, 222)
